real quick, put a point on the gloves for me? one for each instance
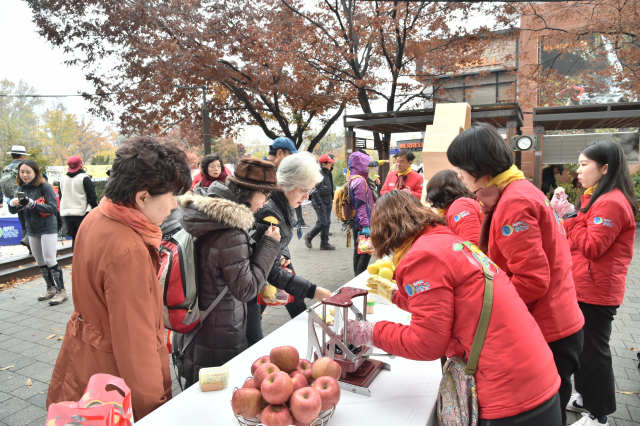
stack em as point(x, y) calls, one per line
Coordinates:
point(381, 287)
point(359, 333)
point(365, 231)
point(27, 202)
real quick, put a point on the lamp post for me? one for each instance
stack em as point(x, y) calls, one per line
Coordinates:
point(206, 129)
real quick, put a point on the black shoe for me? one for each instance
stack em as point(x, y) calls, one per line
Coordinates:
point(304, 226)
point(330, 233)
point(307, 241)
point(25, 242)
point(327, 247)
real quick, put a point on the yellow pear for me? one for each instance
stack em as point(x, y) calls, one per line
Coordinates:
point(386, 273)
point(268, 292)
point(373, 269)
point(386, 264)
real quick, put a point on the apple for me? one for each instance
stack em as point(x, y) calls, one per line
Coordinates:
point(262, 372)
point(249, 384)
point(258, 362)
point(386, 273)
point(277, 388)
point(276, 415)
point(297, 422)
point(325, 366)
point(305, 404)
point(304, 366)
point(298, 379)
point(264, 405)
point(285, 357)
point(329, 391)
point(246, 402)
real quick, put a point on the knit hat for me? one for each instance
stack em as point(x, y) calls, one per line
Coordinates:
point(257, 174)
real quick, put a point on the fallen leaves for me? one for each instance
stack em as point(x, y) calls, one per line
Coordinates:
point(50, 337)
point(8, 367)
point(60, 338)
point(626, 392)
point(635, 349)
point(29, 383)
point(55, 329)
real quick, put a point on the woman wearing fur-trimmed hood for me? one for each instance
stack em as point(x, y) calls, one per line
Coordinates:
point(220, 218)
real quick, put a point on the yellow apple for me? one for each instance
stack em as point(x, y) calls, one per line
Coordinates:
point(268, 292)
point(386, 264)
point(373, 269)
point(386, 273)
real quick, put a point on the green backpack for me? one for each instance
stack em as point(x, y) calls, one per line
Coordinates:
point(8, 180)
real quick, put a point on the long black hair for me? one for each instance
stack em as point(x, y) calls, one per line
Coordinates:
point(480, 151)
point(607, 152)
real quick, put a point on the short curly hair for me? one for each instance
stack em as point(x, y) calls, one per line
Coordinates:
point(208, 159)
point(144, 164)
point(444, 188)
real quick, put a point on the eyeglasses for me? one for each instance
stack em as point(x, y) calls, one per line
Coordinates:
point(306, 192)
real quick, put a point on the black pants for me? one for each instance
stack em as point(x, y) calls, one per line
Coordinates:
point(254, 321)
point(323, 211)
point(22, 225)
point(73, 224)
point(360, 261)
point(299, 214)
point(545, 414)
point(566, 353)
point(594, 380)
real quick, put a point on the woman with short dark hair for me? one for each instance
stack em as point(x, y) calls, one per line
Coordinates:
point(40, 208)
point(601, 234)
point(440, 281)
point(526, 240)
point(117, 325)
point(211, 170)
point(447, 193)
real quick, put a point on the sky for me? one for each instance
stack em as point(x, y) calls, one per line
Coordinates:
point(26, 56)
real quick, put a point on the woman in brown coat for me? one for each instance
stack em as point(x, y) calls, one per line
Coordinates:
point(117, 326)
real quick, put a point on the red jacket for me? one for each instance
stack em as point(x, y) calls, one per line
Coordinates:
point(413, 181)
point(602, 247)
point(464, 218)
point(529, 243)
point(441, 283)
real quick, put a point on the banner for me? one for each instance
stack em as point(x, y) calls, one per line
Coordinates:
point(98, 173)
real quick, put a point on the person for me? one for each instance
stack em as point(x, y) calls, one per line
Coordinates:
point(36, 199)
point(211, 170)
point(404, 177)
point(9, 175)
point(575, 94)
point(220, 217)
point(526, 240)
point(116, 327)
point(361, 201)
point(297, 176)
point(447, 193)
point(79, 193)
point(322, 200)
point(601, 234)
point(440, 281)
point(549, 177)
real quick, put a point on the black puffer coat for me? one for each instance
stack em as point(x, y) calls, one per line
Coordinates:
point(223, 258)
point(324, 189)
point(279, 208)
point(34, 222)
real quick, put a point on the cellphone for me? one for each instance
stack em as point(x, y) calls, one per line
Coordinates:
point(20, 195)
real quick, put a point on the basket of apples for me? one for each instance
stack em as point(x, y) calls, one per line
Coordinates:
point(288, 391)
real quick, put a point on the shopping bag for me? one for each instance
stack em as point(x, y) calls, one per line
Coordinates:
point(364, 245)
point(267, 297)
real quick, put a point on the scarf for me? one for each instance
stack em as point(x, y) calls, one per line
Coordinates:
point(401, 176)
point(589, 191)
point(208, 180)
point(150, 233)
point(400, 253)
point(442, 212)
point(488, 198)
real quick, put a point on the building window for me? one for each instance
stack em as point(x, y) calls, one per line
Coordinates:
point(493, 88)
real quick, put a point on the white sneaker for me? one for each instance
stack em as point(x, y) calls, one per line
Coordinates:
point(576, 405)
point(586, 420)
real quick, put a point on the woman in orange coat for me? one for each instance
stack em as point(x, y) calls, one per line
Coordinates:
point(117, 326)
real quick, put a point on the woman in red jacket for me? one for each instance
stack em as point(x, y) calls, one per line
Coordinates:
point(525, 238)
point(446, 192)
point(601, 234)
point(440, 281)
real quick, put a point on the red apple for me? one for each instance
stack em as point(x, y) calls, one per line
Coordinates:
point(304, 366)
point(325, 366)
point(297, 422)
point(246, 402)
point(249, 384)
point(305, 404)
point(285, 357)
point(298, 379)
point(258, 362)
point(276, 415)
point(264, 405)
point(329, 391)
point(262, 372)
point(277, 388)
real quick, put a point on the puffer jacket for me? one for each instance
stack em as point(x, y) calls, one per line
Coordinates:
point(360, 195)
point(324, 189)
point(36, 224)
point(279, 208)
point(224, 259)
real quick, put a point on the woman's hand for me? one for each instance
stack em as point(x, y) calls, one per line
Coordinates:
point(381, 287)
point(321, 293)
point(284, 262)
point(15, 202)
point(273, 232)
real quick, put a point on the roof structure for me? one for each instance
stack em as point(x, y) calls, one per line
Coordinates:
point(596, 116)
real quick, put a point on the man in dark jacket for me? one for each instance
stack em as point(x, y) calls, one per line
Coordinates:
point(322, 200)
point(549, 177)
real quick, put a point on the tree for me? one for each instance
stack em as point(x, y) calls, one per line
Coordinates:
point(18, 119)
point(90, 142)
point(330, 143)
point(58, 134)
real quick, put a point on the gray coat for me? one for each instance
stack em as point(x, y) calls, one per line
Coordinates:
point(223, 258)
point(34, 222)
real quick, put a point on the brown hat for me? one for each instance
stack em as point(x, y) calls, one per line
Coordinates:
point(256, 174)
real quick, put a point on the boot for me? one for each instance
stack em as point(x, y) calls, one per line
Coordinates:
point(307, 241)
point(327, 246)
point(61, 295)
point(48, 279)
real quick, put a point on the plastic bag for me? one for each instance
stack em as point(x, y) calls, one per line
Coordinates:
point(280, 298)
point(560, 204)
point(364, 245)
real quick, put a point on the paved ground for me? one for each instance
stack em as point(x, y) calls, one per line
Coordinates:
point(29, 355)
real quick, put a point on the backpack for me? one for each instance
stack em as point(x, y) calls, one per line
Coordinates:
point(177, 276)
point(342, 201)
point(8, 181)
point(457, 403)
